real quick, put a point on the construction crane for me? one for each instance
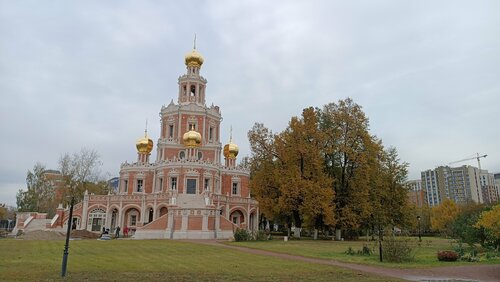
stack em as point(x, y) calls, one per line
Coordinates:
point(478, 157)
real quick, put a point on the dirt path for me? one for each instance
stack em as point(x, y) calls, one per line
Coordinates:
point(450, 273)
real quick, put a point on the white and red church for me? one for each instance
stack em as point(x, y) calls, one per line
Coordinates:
point(188, 192)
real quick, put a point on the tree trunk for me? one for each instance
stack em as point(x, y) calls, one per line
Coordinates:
point(315, 234)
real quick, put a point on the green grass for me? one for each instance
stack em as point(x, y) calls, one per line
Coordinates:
point(149, 260)
point(425, 252)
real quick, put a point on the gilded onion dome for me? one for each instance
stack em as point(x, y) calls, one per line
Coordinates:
point(231, 150)
point(191, 139)
point(193, 59)
point(144, 145)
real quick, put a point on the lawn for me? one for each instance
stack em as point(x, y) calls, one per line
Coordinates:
point(424, 253)
point(148, 260)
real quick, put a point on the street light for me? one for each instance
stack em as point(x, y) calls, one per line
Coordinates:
point(419, 235)
point(68, 231)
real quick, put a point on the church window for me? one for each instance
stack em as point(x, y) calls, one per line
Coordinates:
point(207, 184)
point(139, 185)
point(182, 155)
point(160, 184)
point(133, 220)
point(235, 189)
point(170, 130)
point(125, 185)
point(173, 183)
point(192, 126)
point(191, 186)
point(200, 155)
point(193, 90)
point(210, 133)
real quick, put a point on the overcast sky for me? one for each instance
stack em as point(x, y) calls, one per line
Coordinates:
point(79, 74)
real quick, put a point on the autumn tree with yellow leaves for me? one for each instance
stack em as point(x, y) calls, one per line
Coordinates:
point(443, 215)
point(490, 221)
point(287, 173)
point(325, 170)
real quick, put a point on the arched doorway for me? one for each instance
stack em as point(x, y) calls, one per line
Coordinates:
point(132, 217)
point(237, 217)
point(151, 214)
point(252, 221)
point(97, 220)
point(163, 211)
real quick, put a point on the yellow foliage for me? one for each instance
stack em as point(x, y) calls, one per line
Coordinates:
point(490, 220)
point(443, 215)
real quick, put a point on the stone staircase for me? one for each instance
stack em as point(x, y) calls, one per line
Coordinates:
point(37, 224)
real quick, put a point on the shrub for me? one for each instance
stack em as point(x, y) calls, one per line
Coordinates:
point(397, 250)
point(447, 256)
point(242, 235)
point(350, 252)
point(261, 236)
point(365, 251)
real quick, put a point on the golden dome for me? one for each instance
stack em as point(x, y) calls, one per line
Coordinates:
point(193, 59)
point(231, 150)
point(191, 139)
point(144, 145)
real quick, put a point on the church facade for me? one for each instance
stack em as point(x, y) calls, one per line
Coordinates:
point(189, 191)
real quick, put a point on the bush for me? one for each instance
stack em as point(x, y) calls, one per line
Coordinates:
point(261, 236)
point(242, 235)
point(350, 252)
point(366, 251)
point(447, 256)
point(397, 250)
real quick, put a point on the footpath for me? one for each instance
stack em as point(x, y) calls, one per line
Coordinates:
point(484, 273)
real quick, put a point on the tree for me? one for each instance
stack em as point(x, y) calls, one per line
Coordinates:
point(326, 170)
point(287, 173)
point(443, 216)
point(394, 175)
point(306, 188)
point(463, 226)
point(81, 172)
point(39, 196)
point(490, 221)
point(3, 211)
point(349, 155)
point(264, 171)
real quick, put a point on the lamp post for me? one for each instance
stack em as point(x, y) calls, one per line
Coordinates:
point(419, 235)
point(68, 231)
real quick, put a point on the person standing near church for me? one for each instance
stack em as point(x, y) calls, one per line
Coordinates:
point(117, 232)
point(125, 231)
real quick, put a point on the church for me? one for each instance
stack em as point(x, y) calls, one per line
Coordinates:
point(189, 191)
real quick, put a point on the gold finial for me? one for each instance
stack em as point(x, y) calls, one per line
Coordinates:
point(194, 43)
point(231, 134)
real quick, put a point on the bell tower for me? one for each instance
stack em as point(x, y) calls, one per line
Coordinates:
point(192, 85)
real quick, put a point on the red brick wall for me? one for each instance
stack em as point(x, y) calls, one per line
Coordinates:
point(194, 222)
point(211, 222)
point(159, 223)
point(226, 224)
point(177, 222)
